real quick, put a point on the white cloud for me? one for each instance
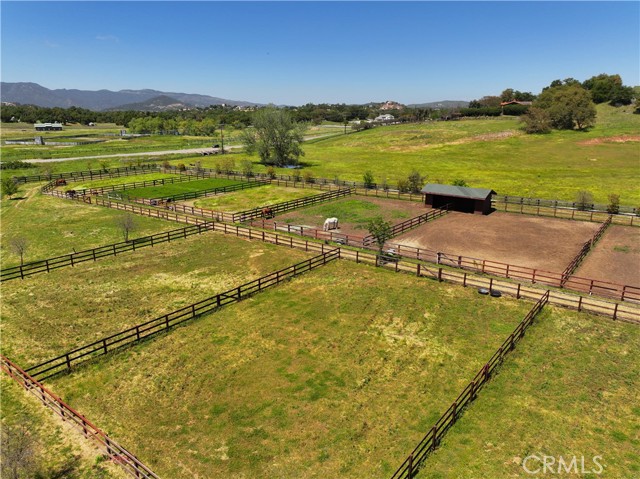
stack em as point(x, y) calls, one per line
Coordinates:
point(107, 38)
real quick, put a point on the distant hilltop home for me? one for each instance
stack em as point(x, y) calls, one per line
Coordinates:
point(48, 126)
point(385, 117)
point(391, 105)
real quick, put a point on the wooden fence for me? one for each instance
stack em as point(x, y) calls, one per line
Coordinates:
point(89, 174)
point(568, 213)
point(118, 454)
point(586, 247)
point(559, 204)
point(430, 441)
point(145, 330)
point(292, 205)
point(137, 184)
point(586, 285)
point(50, 264)
point(190, 195)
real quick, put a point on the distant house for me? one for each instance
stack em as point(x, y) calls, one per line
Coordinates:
point(386, 117)
point(48, 126)
point(516, 102)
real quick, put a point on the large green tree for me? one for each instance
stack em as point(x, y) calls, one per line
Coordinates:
point(568, 105)
point(275, 136)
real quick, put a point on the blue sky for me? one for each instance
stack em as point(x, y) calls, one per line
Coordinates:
point(337, 52)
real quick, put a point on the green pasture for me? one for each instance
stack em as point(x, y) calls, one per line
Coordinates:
point(52, 450)
point(254, 197)
point(120, 180)
point(488, 153)
point(178, 188)
point(54, 226)
point(302, 380)
point(569, 389)
point(46, 315)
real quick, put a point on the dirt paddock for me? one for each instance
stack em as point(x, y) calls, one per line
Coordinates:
point(615, 258)
point(534, 242)
point(354, 213)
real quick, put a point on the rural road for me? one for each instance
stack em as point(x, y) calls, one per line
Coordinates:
point(145, 153)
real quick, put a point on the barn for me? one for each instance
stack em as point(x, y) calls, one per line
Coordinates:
point(459, 198)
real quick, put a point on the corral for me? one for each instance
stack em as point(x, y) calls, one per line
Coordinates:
point(354, 213)
point(615, 258)
point(292, 383)
point(541, 243)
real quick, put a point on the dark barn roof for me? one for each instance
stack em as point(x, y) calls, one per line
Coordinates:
point(457, 191)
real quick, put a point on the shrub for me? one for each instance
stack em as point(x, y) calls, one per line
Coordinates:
point(584, 200)
point(403, 186)
point(536, 120)
point(459, 182)
point(16, 165)
point(182, 167)
point(296, 175)
point(247, 168)
point(368, 180)
point(271, 173)
point(308, 177)
point(415, 181)
point(613, 208)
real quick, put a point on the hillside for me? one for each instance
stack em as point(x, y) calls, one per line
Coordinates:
point(34, 94)
point(158, 103)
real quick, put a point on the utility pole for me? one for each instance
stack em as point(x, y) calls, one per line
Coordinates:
point(222, 138)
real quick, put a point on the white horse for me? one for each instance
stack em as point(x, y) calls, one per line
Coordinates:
point(330, 224)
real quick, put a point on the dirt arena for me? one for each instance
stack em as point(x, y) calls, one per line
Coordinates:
point(354, 213)
point(535, 242)
point(615, 258)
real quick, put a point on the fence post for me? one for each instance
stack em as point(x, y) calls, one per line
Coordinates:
point(418, 270)
point(615, 312)
point(410, 467)
point(518, 292)
point(439, 274)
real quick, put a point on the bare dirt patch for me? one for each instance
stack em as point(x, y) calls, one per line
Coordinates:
point(616, 257)
point(353, 213)
point(612, 139)
point(541, 243)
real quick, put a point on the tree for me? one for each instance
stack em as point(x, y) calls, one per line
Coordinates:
point(613, 208)
point(415, 181)
point(247, 168)
point(536, 120)
point(127, 224)
point(380, 230)
point(18, 450)
point(8, 187)
point(584, 200)
point(275, 136)
point(508, 95)
point(18, 246)
point(569, 106)
point(368, 179)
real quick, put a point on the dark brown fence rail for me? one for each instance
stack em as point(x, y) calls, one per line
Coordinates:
point(158, 325)
point(118, 454)
point(89, 174)
point(411, 465)
point(411, 223)
point(586, 247)
point(568, 213)
point(50, 264)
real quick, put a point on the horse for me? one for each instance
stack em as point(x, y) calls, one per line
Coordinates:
point(330, 224)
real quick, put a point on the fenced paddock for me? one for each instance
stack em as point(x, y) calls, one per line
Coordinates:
point(278, 385)
point(354, 214)
point(538, 243)
point(615, 258)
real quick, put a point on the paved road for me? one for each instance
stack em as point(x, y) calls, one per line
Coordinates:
point(125, 155)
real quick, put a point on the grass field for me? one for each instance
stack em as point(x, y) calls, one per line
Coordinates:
point(300, 381)
point(48, 314)
point(178, 188)
point(569, 389)
point(490, 153)
point(53, 226)
point(58, 451)
point(254, 198)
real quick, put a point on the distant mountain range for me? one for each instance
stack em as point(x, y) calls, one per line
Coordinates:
point(34, 94)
